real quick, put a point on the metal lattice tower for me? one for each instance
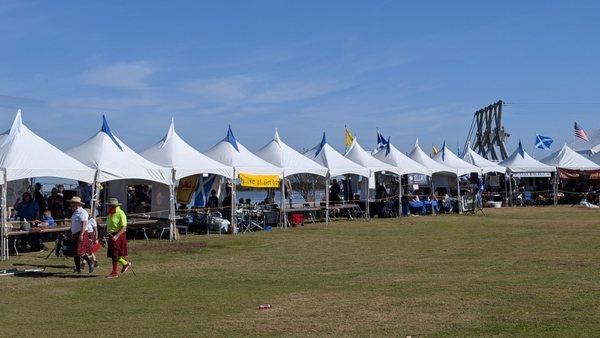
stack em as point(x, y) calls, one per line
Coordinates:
point(487, 135)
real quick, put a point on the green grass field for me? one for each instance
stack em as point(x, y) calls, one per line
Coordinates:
point(513, 272)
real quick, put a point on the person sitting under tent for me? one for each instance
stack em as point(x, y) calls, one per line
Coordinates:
point(28, 211)
point(213, 200)
point(334, 191)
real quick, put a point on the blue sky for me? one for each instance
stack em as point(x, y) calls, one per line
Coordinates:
point(413, 69)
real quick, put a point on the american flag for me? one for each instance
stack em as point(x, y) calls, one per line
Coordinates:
point(579, 132)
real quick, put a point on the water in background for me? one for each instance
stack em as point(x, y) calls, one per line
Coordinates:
point(259, 195)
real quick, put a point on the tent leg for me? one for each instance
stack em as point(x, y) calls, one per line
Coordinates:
point(233, 206)
point(556, 181)
point(327, 201)
point(3, 225)
point(399, 195)
point(367, 213)
point(283, 218)
point(509, 192)
point(460, 206)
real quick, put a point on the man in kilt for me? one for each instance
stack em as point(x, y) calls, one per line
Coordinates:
point(116, 227)
point(80, 244)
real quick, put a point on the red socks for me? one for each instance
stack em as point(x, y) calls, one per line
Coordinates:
point(115, 265)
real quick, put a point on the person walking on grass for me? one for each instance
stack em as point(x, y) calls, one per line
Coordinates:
point(116, 226)
point(80, 235)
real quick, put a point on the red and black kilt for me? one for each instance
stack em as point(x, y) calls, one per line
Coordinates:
point(80, 248)
point(117, 248)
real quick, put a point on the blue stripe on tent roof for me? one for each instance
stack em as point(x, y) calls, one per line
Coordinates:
point(231, 139)
point(323, 142)
point(106, 129)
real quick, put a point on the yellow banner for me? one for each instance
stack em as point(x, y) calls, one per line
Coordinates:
point(259, 181)
point(186, 188)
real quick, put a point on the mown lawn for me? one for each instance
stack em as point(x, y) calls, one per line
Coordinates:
point(513, 272)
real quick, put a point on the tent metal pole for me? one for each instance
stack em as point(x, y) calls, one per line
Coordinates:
point(233, 201)
point(283, 218)
point(172, 225)
point(327, 200)
point(367, 201)
point(509, 192)
point(314, 189)
point(555, 185)
point(460, 206)
point(399, 195)
point(95, 194)
point(3, 225)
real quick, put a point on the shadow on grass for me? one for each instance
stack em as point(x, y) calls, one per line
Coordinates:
point(54, 266)
point(44, 274)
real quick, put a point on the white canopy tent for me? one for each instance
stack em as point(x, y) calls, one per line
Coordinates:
point(175, 153)
point(568, 158)
point(336, 163)
point(446, 157)
point(395, 157)
point(434, 167)
point(359, 155)
point(114, 160)
point(521, 164)
point(183, 160)
point(285, 157)
point(232, 153)
point(23, 154)
point(419, 156)
point(391, 155)
point(292, 162)
point(486, 165)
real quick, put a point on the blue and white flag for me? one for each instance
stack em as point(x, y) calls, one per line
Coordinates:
point(543, 142)
point(381, 141)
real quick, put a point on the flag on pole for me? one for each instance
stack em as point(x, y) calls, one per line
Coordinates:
point(349, 138)
point(543, 142)
point(580, 133)
point(458, 151)
point(381, 141)
point(444, 151)
point(434, 151)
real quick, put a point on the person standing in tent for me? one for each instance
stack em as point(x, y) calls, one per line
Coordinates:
point(80, 227)
point(116, 226)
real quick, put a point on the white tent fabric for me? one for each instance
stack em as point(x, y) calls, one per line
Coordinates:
point(520, 162)
point(395, 157)
point(337, 164)
point(446, 157)
point(173, 152)
point(486, 165)
point(232, 153)
point(114, 160)
point(292, 162)
point(419, 156)
point(23, 154)
point(568, 158)
point(357, 154)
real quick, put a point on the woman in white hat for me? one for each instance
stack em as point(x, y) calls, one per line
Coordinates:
point(80, 235)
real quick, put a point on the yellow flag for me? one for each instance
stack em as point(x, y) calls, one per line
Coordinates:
point(349, 138)
point(434, 150)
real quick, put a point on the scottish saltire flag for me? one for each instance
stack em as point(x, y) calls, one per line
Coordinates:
point(458, 151)
point(580, 133)
point(543, 142)
point(381, 141)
